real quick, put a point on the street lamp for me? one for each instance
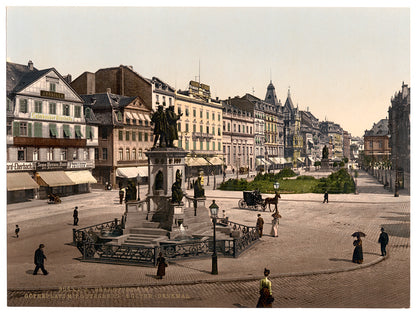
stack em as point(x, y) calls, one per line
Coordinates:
point(276, 186)
point(213, 208)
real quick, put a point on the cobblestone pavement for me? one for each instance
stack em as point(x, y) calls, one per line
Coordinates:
point(309, 261)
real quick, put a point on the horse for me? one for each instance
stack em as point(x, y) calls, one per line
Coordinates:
point(274, 201)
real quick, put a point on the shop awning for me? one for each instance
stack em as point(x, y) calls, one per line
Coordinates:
point(81, 177)
point(196, 161)
point(215, 160)
point(143, 171)
point(266, 162)
point(259, 161)
point(20, 181)
point(54, 179)
point(127, 172)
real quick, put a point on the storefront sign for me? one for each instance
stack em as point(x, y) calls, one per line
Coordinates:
point(20, 166)
point(51, 165)
point(50, 117)
point(77, 164)
point(52, 94)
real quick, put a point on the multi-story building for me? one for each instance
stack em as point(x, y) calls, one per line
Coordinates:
point(357, 145)
point(48, 137)
point(124, 136)
point(335, 133)
point(200, 128)
point(399, 129)
point(162, 94)
point(238, 134)
point(346, 144)
point(310, 133)
point(376, 143)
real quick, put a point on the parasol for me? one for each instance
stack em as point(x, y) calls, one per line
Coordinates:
point(360, 234)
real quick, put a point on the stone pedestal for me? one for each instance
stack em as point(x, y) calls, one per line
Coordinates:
point(325, 165)
point(134, 216)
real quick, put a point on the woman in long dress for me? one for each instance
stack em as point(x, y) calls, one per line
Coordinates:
point(275, 223)
point(266, 299)
point(161, 266)
point(357, 256)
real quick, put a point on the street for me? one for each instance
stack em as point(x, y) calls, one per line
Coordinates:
point(310, 260)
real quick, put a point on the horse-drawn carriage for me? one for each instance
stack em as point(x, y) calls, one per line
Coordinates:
point(252, 200)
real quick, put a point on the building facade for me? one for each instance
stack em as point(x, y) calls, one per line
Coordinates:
point(47, 133)
point(376, 144)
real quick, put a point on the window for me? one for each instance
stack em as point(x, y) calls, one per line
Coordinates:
point(89, 133)
point(133, 154)
point(105, 153)
point(194, 145)
point(179, 126)
point(78, 134)
point(186, 112)
point(63, 154)
point(134, 121)
point(127, 154)
point(201, 129)
point(219, 131)
point(127, 135)
point(170, 101)
point(186, 127)
point(140, 136)
point(65, 109)
point(120, 135)
point(86, 154)
point(49, 154)
point(140, 154)
point(381, 144)
point(120, 154)
point(194, 128)
point(104, 132)
point(157, 99)
point(146, 136)
point(180, 143)
point(213, 130)
point(119, 116)
point(201, 145)
point(207, 114)
point(52, 87)
point(87, 112)
point(75, 154)
point(228, 127)
point(52, 108)
point(219, 117)
point(200, 114)
point(207, 129)
point(9, 105)
point(133, 136)
point(23, 129)
point(23, 105)
point(21, 154)
point(194, 112)
point(38, 106)
point(67, 132)
point(207, 146)
point(128, 121)
point(9, 128)
point(186, 145)
point(35, 154)
point(77, 111)
point(219, 146)
point(53, 133)
point(213, 116)
point(96, 154)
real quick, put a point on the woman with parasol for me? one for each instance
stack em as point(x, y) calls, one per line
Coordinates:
point(357, 256)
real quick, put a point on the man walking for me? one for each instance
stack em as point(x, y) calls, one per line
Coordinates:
point(75, 215)
point(383, 240)
point(259, 224)
point(39, 260)
point(326, 196)
point(16, 231)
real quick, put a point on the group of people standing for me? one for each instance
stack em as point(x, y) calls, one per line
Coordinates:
point(358, 257)
point(275, 223)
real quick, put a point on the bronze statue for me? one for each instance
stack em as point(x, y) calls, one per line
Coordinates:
point(172, 129)
point(177, 193)
point(161, 126)
point(131, 191)
point(325, 152)
point(199, 191)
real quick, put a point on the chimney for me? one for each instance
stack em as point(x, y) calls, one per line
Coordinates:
point(108, 90)
point(68, 78)
point(30, 65)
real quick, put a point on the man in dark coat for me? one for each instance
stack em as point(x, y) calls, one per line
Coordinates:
point(39, 260)
point(326, 196)
point(260, 224)
point(75, 215)
point(172, 119)
point(383, 240)
point(161, 126)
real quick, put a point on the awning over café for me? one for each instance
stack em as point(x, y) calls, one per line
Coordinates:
point(143, 171)
point(81, 177)
point(215, 160)
point(127, 172)
point(54, 179)
point(20, 181)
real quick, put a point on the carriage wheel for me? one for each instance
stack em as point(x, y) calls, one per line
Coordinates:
point(241, 204)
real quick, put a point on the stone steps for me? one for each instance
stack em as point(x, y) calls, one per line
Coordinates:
point(149, 231)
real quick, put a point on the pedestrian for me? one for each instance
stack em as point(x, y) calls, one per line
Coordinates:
point(121, 194)
point(75, 215)
point(357, 256)
point(161, 266)
point(260, 224)
point(17, 230)
point(266, 299)
point(326, 196)
point(383, 240)
point(39, 260)
point(275, 223)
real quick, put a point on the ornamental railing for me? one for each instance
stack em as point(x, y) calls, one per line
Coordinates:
point(93, 243)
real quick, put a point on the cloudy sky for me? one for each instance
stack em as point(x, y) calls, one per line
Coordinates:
point(344, 64)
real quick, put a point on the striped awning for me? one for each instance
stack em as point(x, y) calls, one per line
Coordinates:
point(135, 116)
point(196, 161)
point(53, 179)
point(127, 172)
point(215, 160)
point(129, 115)
point(81, 177)
point(20, 181)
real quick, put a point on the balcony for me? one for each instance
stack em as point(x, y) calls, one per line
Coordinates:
point(49, 142)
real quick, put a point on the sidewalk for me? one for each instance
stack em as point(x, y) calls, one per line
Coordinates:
point(313, 238)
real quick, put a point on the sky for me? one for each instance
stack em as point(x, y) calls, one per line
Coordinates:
point(342, 63)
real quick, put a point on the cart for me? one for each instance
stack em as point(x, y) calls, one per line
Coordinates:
point(252, 200)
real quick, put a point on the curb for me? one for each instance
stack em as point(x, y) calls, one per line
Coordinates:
point(208, 281)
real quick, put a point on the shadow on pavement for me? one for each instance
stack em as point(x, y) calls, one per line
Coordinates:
point(399, 229)
point(188, 267)
point(339, 259)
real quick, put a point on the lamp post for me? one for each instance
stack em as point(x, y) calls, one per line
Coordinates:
point(213, 208)
point(276, 186)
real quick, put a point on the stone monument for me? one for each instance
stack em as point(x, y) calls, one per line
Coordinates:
point(325, 160)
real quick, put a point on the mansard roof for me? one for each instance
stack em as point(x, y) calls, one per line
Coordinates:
point(161, 84)
point(379, 129)
point(242, 103)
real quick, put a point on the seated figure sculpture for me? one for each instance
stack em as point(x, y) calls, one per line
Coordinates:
point(199, 191)
point(177, 193)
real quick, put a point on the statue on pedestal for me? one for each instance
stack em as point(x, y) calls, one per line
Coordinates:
point(172, 128)
point(131, 192)
point(177, 193)
point(161, 126)
point(325, 152)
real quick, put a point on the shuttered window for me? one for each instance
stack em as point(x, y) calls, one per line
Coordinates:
point(67, 131)
point(53, 132)
point(38, 129)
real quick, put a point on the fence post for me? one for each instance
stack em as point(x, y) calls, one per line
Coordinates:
point(234, 247)
point(74, 236)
